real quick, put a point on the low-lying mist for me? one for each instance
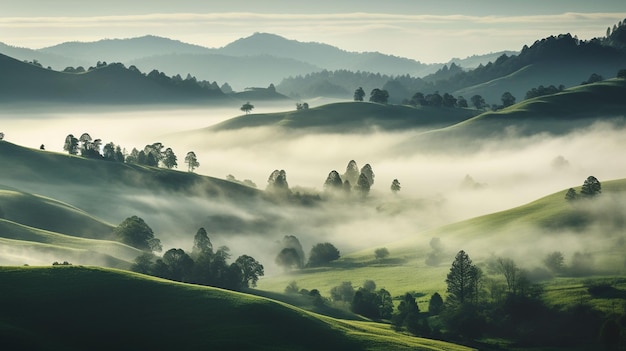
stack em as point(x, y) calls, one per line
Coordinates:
point(437, 187)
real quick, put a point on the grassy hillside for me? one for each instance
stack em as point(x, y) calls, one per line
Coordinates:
point(525, 233)
point(27, 165)
point(76, 308)
point(558, 114)
point(569, 73)
point(49, 214)
point(352, 117)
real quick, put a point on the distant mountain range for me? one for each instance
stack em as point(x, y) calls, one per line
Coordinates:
point(254, 61)
point(299, 70)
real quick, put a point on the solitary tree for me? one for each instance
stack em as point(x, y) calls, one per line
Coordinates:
point(395, 186)
point(591, 187)
point(135, 232)
point(359, 94)
point(247, 107)
point(251, 270)
point(323, 253)
point(462, 279)
point(192, 161)
point(381, 253)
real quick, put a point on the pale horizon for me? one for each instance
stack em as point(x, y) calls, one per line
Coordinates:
point(429, 33)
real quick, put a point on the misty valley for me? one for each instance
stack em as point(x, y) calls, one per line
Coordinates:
point(439, 208)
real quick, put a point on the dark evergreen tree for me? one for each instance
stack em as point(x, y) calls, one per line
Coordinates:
point(435, 305)
point(395, 186)
point(507, 99)
point(571, 194)
point(202, 243)
point(462, 280)
point(71, 144)
point(169, 159)
point(192, 161)
point(478, 102)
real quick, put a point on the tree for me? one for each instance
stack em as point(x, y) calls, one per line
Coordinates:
point(462, 280)
point(1, 135)
point(247, 107)
point(591, 187)
point(379, 96)
point(508, 268)
point(359, 94)
point(192, 161)
point(381, 253)
point(277, 182)
point(292, 242)
point(143, 263)
point(201, 243)
point(408, 315)
point(507, 99)
point(333, 181)
point(554, 262)
point(288, 258)
point(369, 173)
point(478, 102)
point(449, 100)
point(352, 172)
point(435, 305)
point(593, 78)
point(169, 159)
point(251, 270)
point(571, 194)
point(461, 102)
point(395, 186)
point(343, 292)
point(363, 185)
point(418, 99)
point(135, 232)
point(179, 264)
point(323, 253)
point(71, 145)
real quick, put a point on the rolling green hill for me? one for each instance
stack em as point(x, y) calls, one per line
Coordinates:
point(556, 114)
point(76, 308)
point(49, 214)
point(352, 117)
point(78, 171)
point(526, 233)
point(569, 74)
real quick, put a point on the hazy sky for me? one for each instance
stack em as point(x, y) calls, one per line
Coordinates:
point(425, 30)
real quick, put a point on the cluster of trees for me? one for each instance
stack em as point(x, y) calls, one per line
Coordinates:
point(152, 155)
point(302, 106)
point(591, 187)
point(511, 307)
point(542, 91)
point(362, 179)
point(291, 254)
point(203, 266)
point(377, 95)
point(436, 100)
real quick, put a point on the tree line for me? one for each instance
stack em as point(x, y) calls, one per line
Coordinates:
point(152, 155)
point(204, 265)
